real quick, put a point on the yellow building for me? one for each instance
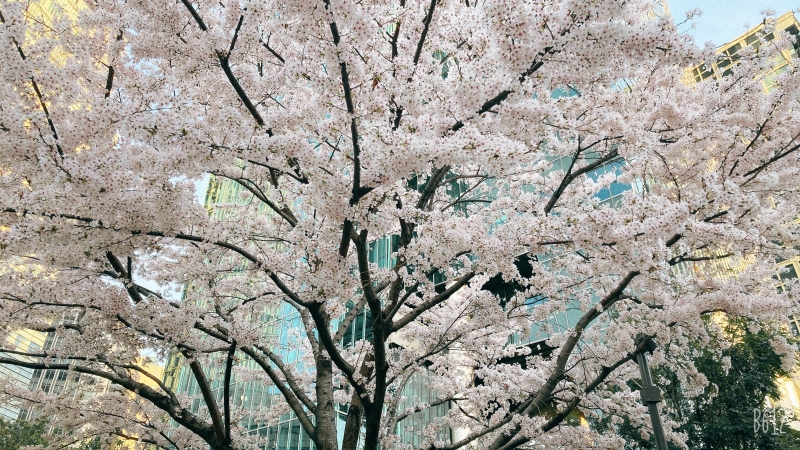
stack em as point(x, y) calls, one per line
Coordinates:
point(788, 270)
point(764, 34)
point(126, 439)
point(45, 13)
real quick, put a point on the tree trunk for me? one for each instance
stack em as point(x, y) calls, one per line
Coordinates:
point(355, 416)
point(352, 428)
point(373, 425)
point(325, 413)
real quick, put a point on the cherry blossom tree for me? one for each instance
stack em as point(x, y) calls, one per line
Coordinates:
point(473, 132)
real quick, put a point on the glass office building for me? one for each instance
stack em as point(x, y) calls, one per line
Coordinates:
point(25, 341)
point(282, 324)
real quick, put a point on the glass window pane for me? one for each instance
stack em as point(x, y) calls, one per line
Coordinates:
point(294, 436)
point(283, 436)
point(273, 437)
point(788, 272)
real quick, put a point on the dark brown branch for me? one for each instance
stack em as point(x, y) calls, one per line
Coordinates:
point(358, 191)
point(348, 319)
point(235, 35)
point(46, 354)
point(395, 301)
point(752, 142)
point(364, 275)
point(419, 408)
point(715, 216)
point(570, 176)
point(121, 433)
point(583, 323)
point(430, 187)
point(154, 379)
point(47, 115)
point(544, 393)
point(325, 338)
point(564, 413)
point(478, 434)
point(225, 64)
point(298, 173)
point(129, 286)
point(287, 393)
point(284, 212)
point(499, 98)
point(208, 397)
point(425, 306)
point(462, 200)
point(226, 391)
point(779, 156)
point(291, 393)
point(223, 60)
point(685, 258)
point(274, 53)
point(344, 245)
point(673, 240)
point(194, 14)
point(428, 18)
point(140, 289)
point(275, 173)
point(26, 212)
point(109, 81)
point(394, 39)
point(290, 380)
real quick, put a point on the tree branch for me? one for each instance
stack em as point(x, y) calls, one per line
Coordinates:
point(427, 21)
point(570, 176)
point(289, 377)
point(226, 394)
point(274, 53)
point(133, 292)
point(225, 64)
point(286, 392)
point(536, 403)
point(348, 319)
point(425, 306)
point(161, 401)
point(284, 212)
point(208, 396)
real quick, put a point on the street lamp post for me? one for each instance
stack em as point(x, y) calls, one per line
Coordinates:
point(651, 395)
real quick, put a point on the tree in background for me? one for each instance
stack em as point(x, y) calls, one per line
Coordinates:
point(730, 412)
point(21, 433)
point(97, 444)
point(471, 132)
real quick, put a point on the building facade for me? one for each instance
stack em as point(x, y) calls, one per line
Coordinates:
point(766, 33)
point(23, 341)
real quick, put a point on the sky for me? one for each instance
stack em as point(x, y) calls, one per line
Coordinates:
point(724, 20)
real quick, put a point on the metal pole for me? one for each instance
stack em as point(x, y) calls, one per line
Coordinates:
point(651, 395)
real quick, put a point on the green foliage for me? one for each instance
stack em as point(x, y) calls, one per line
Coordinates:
point(18, 434)
point(92, 444)
point(722, 418)
point(21, 433)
